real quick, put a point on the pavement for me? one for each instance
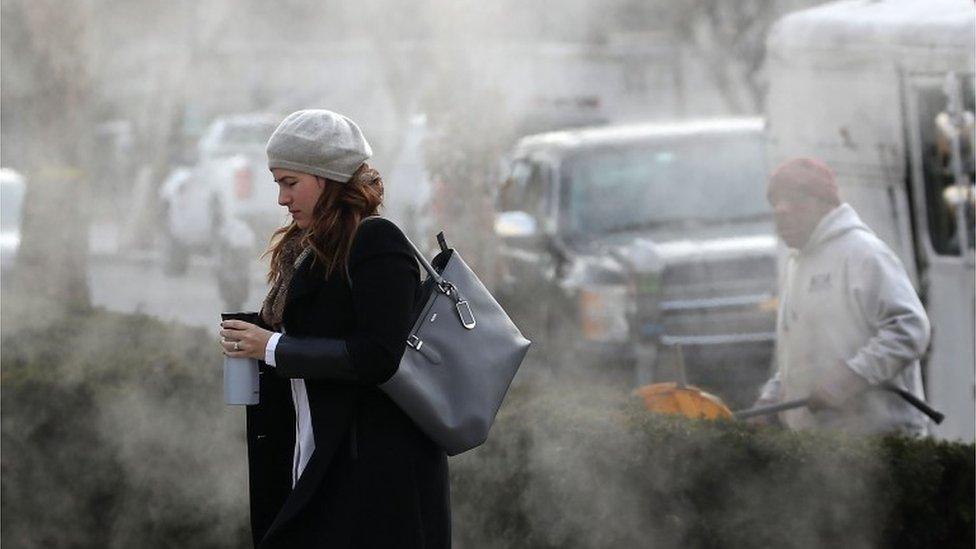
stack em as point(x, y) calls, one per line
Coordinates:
point(132, 280)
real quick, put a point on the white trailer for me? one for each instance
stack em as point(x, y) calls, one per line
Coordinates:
point(883, 92)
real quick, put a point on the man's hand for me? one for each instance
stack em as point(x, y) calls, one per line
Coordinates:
point(768, 419)
point(241, 339)
point(837, 389)
point(821, 399)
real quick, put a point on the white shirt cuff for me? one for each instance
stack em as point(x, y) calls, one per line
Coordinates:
point(269, 357)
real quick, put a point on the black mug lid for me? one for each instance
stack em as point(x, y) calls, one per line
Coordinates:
point(246, 316)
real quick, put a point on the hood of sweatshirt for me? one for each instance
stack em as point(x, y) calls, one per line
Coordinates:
point(837, 222)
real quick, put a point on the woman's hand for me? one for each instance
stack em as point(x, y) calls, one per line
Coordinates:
point(243, 340)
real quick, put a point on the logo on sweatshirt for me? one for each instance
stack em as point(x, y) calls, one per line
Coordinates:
point(820, 282)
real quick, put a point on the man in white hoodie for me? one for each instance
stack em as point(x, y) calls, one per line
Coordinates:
point(849, 318)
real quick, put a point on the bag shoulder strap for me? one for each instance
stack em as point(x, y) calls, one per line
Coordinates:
point(416, 252)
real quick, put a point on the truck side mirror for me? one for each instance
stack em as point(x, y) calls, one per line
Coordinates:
point(517, 226)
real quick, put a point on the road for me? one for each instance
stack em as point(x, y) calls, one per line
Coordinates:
point(137, 284)
point(133, 281)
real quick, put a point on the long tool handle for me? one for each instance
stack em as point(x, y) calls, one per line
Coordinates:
point(922, 406)
point(935, 415)
point(771, 409)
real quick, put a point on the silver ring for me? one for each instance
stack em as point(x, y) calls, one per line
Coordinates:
point(237, 345)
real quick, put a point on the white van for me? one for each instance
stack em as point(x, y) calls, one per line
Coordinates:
point(883, 92)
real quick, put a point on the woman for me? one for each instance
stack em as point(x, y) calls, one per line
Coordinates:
point(333, 461)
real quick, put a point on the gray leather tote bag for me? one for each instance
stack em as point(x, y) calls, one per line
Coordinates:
point(462, 354)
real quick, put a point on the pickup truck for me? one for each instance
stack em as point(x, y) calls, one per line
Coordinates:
point(225, 206)
point(622, 246)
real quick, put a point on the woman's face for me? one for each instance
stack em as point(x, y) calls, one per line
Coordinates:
point(299, 192)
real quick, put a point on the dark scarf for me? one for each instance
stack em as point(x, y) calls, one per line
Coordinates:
point(292, 256)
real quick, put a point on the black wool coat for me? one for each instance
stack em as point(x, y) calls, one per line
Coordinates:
point(374, 479)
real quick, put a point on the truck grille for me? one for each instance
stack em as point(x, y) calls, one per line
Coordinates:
point(714, 303)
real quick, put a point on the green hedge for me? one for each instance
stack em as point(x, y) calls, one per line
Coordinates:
point(114, 435)
point(592, 469)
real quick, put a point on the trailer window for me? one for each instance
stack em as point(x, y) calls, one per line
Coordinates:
point(936, 125)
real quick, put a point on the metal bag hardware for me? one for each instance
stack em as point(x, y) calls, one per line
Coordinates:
point(430, 354)
point(465, 314)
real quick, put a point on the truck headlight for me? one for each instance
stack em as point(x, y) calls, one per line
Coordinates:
point(604, 312)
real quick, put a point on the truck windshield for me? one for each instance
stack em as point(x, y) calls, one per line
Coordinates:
point(699, 180)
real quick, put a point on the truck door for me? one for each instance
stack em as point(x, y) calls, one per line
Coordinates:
point(939, 122)
point(526, 263)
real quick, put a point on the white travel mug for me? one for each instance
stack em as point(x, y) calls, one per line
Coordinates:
point(241, 381)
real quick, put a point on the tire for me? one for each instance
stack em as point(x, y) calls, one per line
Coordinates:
point(233, 277)
point(176, 256)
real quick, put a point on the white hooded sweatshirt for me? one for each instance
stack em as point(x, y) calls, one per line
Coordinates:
point(849, 318)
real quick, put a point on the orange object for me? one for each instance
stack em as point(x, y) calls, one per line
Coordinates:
point(685, 400)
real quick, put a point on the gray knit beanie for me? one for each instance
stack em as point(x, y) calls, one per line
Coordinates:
point(318, 142)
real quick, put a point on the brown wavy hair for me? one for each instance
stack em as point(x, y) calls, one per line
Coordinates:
point(335, 218)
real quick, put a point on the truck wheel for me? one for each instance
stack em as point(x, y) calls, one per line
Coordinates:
point(176, 256)
point(233, 277)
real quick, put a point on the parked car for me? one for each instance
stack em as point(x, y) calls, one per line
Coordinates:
point(224, 206)
point(619, 244)
point(12, 189)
